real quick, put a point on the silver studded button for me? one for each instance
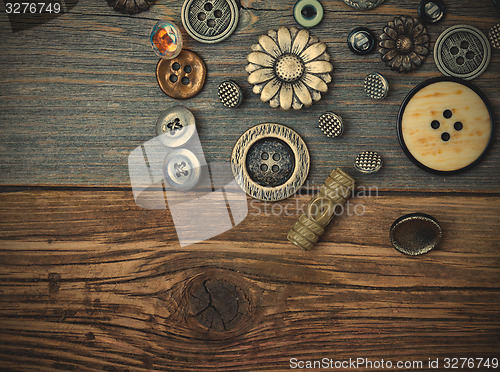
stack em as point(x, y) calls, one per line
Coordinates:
point(331, 124)
point(175, 126)
point(494, 35)
point(210, 21)
point(181, 169)
point(368, 162)
point(462, 51)
point(230, 94)
point(363, 4)
point(376, 86)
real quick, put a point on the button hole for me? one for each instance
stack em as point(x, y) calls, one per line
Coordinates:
point(173, 78)
point(210, 23)
point(188, 69)
point(218, 13)
point(202, 16)
point(185, 80)
point(208, 7)
point(176, 66)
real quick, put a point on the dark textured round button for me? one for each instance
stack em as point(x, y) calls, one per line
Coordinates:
point(462, 51)
point(445, 125)
point(368, 162)
point(175, 126)
point(376, 86)
point(181, 169)
point(183, 76)
point(210, 21)
point(363, 4)
point(361, 41)
point(270, 162)
point(431, 11)
point(331, 124)
point(308, 13)
point(230, 94)
point(494, 36)
point(415, 234)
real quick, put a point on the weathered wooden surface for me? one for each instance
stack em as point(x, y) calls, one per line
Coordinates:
point(91, 282)
point(79, 93)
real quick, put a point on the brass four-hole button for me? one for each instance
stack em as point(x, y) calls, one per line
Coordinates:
point(181, 77)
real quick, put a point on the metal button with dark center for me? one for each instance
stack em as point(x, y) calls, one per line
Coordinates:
point(183, 76)
point(361, 41)
point(210, 21)
point(270, 162)
point(363, 4)
point(431, 11)
point(462, 51)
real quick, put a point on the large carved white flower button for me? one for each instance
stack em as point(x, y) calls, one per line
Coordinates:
point(289, 68)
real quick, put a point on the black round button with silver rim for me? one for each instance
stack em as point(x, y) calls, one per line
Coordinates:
point(175, 126)
point(462, 51)
point(361, 41)
point(181, 169)
point(210, 21)
point(431, 11)
point(270, 162)
point(230, 94)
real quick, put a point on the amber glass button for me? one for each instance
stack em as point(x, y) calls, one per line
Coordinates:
point(445, 125)
point(181, 77)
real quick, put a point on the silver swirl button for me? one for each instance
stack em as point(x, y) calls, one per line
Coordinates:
point(210, 21)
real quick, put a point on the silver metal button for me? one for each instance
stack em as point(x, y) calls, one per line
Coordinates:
point(331, 124)
point(431, 11)
point(210, 21)
point(494, 35)
point(415, 234)
point(368, 162)
point(175, 126)
point(376, 86)
point(462, 51)
point(230, 94)
point(181, 169)
point(361, 41)
point(363, 4)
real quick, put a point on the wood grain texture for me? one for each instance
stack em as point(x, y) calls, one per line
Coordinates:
point(91, 282)
point(79, 93)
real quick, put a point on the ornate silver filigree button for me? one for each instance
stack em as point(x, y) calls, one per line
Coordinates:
point(230, 94)
point(368, 162)
point(363, 4)
point(289, 68)
point(175, 126)
point(376, 86)
point(494, 35)
point(462, 51)
point(210, 21)
point(331, 124)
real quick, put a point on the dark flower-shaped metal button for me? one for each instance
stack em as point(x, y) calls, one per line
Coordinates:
point(404, 45)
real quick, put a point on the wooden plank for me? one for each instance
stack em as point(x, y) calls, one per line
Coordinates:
point(79, 93)
point(91, 282)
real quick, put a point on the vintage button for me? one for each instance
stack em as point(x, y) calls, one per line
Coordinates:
point(431, 11)
point(308, 13)
point(230, 94)
point(270, 162)
point(368, 162)
point(415, 234)
point(175, 126)
point(210, 21)
point(363, 4)
point(183, 76)
point(361, 41)
point(331, 124)
point(445, 125)
point(462, 51)
point(181, 169)
point(166, 40)
point(494, 35)
point(376, 86)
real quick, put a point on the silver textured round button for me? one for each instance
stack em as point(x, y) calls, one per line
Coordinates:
point(376, 86)
point(181, 169)
point(363, 4)
point(230, 94)
point(270, 162)
point(368, 162)
point(210, 21)
point(462, 51)
point(494, 35)
point(175, 126)
point(415, 234)
point(331, 124)
point(308, 13)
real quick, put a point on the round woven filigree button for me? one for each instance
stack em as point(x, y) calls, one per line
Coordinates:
point(230, 94)
point(289, 68)
point(494, 35)
point(376, 86)
point(331, 124)
point(368, 162)
point(363, 4)
point(404, 44)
